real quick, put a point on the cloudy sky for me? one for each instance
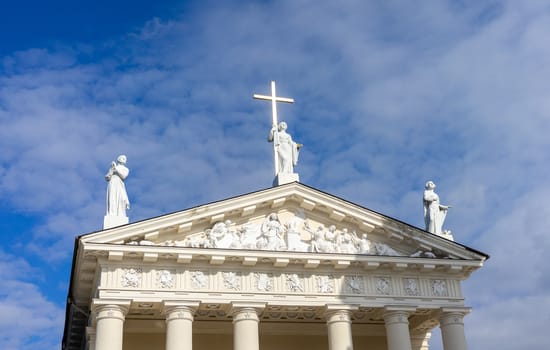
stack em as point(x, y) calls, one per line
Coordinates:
point(389, 94)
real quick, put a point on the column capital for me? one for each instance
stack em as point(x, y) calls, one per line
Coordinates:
point(463, 310)
point(453, 315)
point(179, 306)
point(397, 314)
point(179, 309)
point(246, 310)
point(99, 303)
point(339, 313)
point(107, 308)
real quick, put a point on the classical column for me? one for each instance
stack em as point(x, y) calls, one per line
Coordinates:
point(109, 323)
point(397, 327)
point(179, 324)
point(339, 329)
point(245, 325)
point(451, 321)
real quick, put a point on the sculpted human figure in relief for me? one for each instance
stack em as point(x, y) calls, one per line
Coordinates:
point(287, 150)
point(434, 212)
point(272, 234)
point(117, 198)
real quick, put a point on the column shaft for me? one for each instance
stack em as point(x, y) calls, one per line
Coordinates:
point(397, 330)
point(109, 327)
point(245, 329)
point(179, 328)
point(339, 330)
point(452, 330)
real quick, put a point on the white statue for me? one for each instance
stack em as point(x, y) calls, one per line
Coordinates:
point(117, 198)
point(434, 212)
point(286, 149)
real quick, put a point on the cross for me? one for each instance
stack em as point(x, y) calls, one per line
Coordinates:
point(274, 99)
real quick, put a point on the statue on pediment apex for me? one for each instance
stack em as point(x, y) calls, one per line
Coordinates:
point(286, 149)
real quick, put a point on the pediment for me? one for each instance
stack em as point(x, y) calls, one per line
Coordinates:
point(288, 218)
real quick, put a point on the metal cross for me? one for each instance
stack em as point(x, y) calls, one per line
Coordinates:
point(274, 99)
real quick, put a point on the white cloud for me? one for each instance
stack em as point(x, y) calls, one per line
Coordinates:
point(387, 96)
point(27, 318)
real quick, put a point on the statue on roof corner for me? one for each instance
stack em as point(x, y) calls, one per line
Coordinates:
point(434, 212)
point(117, 198)
point(287, 150)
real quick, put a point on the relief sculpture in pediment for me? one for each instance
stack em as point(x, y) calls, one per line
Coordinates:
point(273, 234)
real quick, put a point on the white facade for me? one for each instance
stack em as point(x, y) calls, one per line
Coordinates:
point(288, 267)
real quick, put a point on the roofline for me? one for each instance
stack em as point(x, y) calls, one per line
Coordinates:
point(486, 256)
point(401, 222)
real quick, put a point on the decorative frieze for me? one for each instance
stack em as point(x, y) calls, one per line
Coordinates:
point(324, 284)
point(231, 281)
point(131, 277)
point(411, 286)
point(199, 280)
point(294, 283)
point(354, 284)
point(264, 282)
point(165, 279)
point(439, 288)
point(383, 285)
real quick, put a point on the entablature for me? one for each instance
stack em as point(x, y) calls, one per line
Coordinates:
point(459, 269)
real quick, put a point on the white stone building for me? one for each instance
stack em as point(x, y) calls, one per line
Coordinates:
point(289, 267)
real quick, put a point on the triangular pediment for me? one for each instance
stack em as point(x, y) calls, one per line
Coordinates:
point(288, 218)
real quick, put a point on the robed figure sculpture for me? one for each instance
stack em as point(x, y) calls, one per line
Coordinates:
point(287, 150)
point(434, 212)
point(117, 198)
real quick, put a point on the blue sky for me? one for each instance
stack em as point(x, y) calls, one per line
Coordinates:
point(389, 94)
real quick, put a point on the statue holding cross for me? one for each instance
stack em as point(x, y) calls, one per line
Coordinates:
point(285, 150)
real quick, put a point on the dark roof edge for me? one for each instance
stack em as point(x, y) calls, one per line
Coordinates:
point(70, 296)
